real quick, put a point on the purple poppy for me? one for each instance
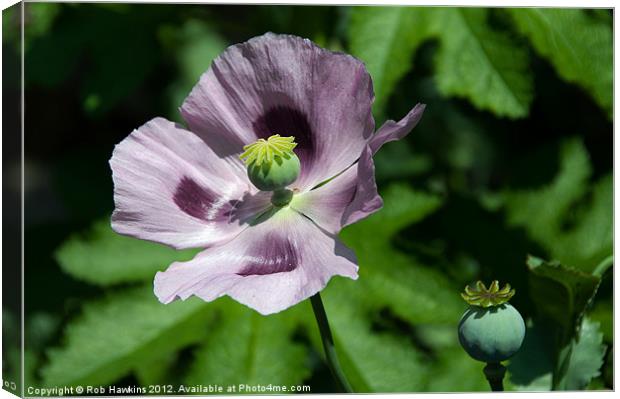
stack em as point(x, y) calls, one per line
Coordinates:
point(189, 188)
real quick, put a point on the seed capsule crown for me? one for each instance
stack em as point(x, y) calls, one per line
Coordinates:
point(480, 295)
point(266, 151)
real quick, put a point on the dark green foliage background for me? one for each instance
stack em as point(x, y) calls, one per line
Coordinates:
point(513, 157)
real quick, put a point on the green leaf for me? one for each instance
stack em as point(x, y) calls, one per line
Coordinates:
point(451, 368)
point(474, 61)
point(483, 65)
point(603, 313)
point(561, 294)
point(531, 369)
point(118, 334)
point(590, 240)
point(576, 44)
point(373, 361)
point(583, 360)
point(542, 210)
point(569, 217)
point(455, 371)
point(156, 369)
point(402, 206)
point(386, 38)
point(245, 347)
point(103, 257)
point(417, 293)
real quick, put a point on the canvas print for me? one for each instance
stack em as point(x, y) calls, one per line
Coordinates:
point(299, 199)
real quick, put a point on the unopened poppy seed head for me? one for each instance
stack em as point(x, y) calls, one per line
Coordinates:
point(272, 165)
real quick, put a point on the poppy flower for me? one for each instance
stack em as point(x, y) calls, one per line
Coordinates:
point(188, 187)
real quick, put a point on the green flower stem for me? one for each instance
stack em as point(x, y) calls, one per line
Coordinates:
point(495, 375)
point(328, 344)
point(603, 266)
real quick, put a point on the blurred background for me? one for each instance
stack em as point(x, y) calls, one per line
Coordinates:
point(513, 158)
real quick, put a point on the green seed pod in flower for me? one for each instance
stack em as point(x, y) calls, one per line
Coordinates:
point(272, 164)
point(491, 330)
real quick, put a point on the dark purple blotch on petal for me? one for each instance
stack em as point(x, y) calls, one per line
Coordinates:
point(200, 202)
point(289, 121)
point(273, 254)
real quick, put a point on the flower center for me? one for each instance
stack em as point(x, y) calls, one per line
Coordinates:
point(272, 166)
point(485, 297)
point(265, 151)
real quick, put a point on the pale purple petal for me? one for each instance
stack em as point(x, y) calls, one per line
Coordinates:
point(366, 200)
point(392, 131)
point(281, 84)
point(169, 187)
point(269, 267)
point(349, 197)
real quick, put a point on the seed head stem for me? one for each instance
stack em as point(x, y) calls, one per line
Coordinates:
point(495, 375)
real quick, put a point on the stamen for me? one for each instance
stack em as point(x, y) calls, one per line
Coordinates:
point(265, 151)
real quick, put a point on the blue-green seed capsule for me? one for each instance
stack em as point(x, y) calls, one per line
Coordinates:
point(491, 330)
point(271, 163)
point(491, 334)
point(278, 174)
